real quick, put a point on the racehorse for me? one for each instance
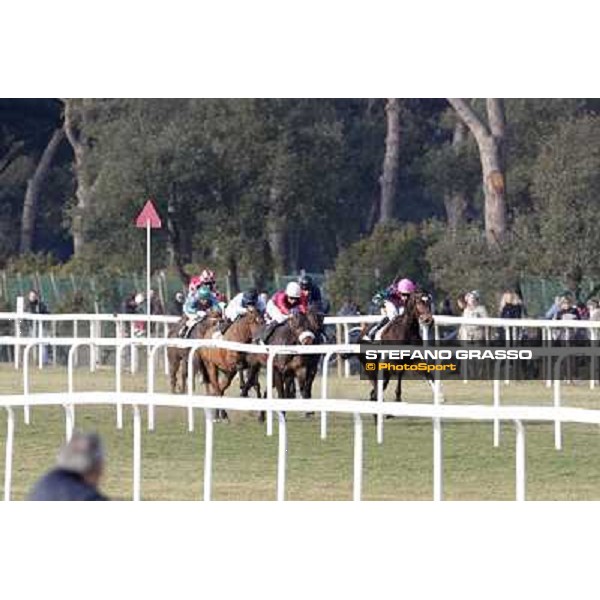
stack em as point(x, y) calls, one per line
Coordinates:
point(299, 329)
point(223, 360)
point(178, 356)
point(306, 363)
point(403, 329)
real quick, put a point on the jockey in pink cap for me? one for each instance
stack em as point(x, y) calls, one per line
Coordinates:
point(393, 305)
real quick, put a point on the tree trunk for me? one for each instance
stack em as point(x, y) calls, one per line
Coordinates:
point(234, 280)
point(34, 188)
point(456, 202)
point(80, 146)
point(490, 141)
point(276, 232)
point(389, 177)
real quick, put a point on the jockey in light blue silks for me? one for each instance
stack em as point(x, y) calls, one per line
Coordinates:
point(198, 303)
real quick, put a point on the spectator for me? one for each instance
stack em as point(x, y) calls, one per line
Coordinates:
point(139, 327)
point(446, 307)
point(36, 305)
point(594, 309)
point(566, 312)
point(555, 308)
point(176, 307)
point(348, 308)
point(473, 309)
point(129, 305)
point(511, 307)
point(567, 309)
point(79, 468)
point(582, 311)
point(156, 306)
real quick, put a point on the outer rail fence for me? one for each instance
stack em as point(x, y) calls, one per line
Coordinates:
point(437, 413)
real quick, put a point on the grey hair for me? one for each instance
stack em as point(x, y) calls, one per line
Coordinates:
point(83, 454)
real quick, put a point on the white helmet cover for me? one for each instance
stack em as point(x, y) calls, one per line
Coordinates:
point(293, 290)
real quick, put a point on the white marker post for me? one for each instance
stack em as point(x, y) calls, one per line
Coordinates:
point(148, 219)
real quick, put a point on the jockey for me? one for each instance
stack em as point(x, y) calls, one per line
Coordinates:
point(208, 278)
point(199, 302)
point(393, 305)
point(282, 305)
point(238, 306)
point(310, 291)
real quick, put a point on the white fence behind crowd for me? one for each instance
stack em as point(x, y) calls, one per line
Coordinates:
point(119, 326)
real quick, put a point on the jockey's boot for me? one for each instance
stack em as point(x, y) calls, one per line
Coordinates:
point(183, 331)
point(224, 325)
point(373, 331)
point(267, 331)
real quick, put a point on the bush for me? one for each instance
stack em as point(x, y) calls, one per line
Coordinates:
point(461, 261)
point(392, 250)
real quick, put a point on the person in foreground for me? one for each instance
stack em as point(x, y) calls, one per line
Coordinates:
point(80, 465)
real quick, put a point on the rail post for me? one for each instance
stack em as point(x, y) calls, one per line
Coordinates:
point(270, 360)
point(358, 457)
point(281, 456)
point(209, 418)
point(190, 386)
point(137, 453)
point(324, 381)
point(520, 461)
point(10, 434)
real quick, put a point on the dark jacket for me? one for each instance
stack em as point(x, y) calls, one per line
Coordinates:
point(176, 307)
point(59, 484)
point(37, 306)
point(511, 311)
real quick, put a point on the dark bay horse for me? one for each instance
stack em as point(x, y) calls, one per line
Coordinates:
point(299, 329)
point(404, 329)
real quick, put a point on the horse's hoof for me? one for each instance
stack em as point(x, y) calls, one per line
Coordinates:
point(309, 415)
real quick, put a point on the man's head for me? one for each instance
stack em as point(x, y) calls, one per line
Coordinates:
point(83, 455)
point(33, 296)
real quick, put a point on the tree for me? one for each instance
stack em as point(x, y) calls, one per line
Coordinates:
point(34, 189)
point(490, 141)
point(389, 176)
point(566, 191)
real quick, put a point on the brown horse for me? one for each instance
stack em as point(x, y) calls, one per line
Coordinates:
point(300, 329)
point(223, 360)
point(403, 329)
point(178, 357)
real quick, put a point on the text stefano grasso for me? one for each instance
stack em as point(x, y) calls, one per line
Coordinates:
point(458, 354)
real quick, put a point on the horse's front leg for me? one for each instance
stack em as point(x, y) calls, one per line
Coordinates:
point(175, 361)
point(398, 396)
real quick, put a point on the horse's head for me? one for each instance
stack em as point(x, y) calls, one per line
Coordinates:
point(302, 328)
point(315, 318)
point(249, 324)
point(419, 305)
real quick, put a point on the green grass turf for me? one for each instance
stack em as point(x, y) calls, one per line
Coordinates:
point(245, 458)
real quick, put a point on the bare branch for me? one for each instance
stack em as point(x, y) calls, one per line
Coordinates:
point(470, 118)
